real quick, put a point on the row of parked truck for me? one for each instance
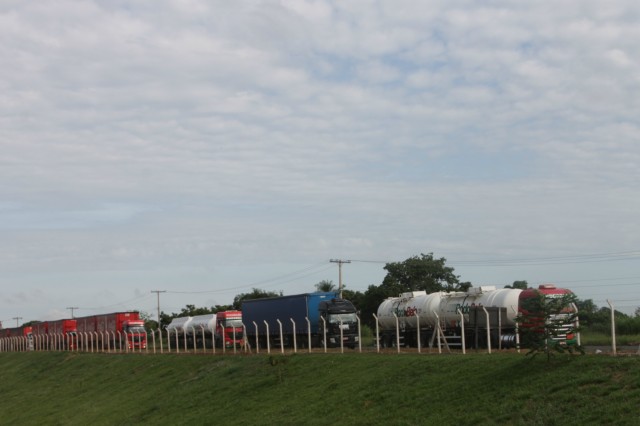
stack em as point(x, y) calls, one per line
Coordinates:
point(310, 317)
point(114, 330)
point(318, 319)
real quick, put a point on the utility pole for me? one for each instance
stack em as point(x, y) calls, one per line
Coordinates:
point(72, 308)
point(339, 262)
point(157, 292)
point(17, 319)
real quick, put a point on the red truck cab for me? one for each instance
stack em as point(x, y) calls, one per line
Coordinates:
point(229, 328)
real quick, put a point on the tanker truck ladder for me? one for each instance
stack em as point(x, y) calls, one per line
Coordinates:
point(439, 339)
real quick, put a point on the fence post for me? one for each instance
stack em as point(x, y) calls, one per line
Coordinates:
point(184, 339)
point(377, 334)
point(613, 328)
point(397, 331)
point(418, 333)
point(257, 341)
point(488, 330)
point(295, 343)
point(577, 326)
point(324, 333)
point(359, 335)
point(234, 340)
point(464, 344)
point(308, 333)
point(281, 336)
point(438, 332)
point(268, 337)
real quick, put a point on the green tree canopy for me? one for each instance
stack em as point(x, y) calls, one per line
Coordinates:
point(543, 322)
point(325, 286)
point(522, 285)
point(419, 273)
point(422, 272)
point(255, 293)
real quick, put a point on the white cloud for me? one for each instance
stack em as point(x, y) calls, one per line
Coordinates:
point(172, 138)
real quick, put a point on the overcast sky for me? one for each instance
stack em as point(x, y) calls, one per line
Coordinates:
point(206, 148)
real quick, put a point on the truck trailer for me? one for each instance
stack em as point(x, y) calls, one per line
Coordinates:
point(58, 334)
point(16, 338)
point(222, 328)
point(313, 315)
point(114, 329)
point(417, 314)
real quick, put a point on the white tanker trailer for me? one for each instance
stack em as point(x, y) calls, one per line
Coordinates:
point(421, 310)
point(403, 318)
point(225, 328)
point(415, 304)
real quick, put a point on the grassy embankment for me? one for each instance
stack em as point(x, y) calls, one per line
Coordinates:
point(323, 389)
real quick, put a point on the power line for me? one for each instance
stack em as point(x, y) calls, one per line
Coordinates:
point(115, 304)
point(310, 270)
point(551, 260)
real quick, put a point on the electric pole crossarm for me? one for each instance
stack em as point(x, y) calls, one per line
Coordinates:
point(339, 262)
point(72, 308)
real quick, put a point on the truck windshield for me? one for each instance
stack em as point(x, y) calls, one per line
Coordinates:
point(235, 322)
point(136, 330)
point(344, 318)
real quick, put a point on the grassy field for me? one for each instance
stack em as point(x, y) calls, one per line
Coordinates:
point(322, 389)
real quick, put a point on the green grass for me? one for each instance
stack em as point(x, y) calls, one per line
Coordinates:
point(604, 339)
point(317, 389)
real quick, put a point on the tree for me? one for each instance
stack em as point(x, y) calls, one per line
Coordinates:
point(416, 273)
point(543, 321)
point(522, 285)
point(256, 293)
point(420, 273)
point(325, 286)
point(149, 323)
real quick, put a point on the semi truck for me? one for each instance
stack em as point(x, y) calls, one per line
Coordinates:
point(17, 338)
point(114, 329)
point(416, 315)
point(223, 328)
point(311, 315)
point(59, 334)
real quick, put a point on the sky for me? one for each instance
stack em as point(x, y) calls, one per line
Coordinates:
point(205, 148)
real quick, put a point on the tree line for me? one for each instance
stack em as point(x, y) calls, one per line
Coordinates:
point(422, 272)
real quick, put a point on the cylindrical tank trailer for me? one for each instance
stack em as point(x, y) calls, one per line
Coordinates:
point(410, 307)
point(417, 312)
